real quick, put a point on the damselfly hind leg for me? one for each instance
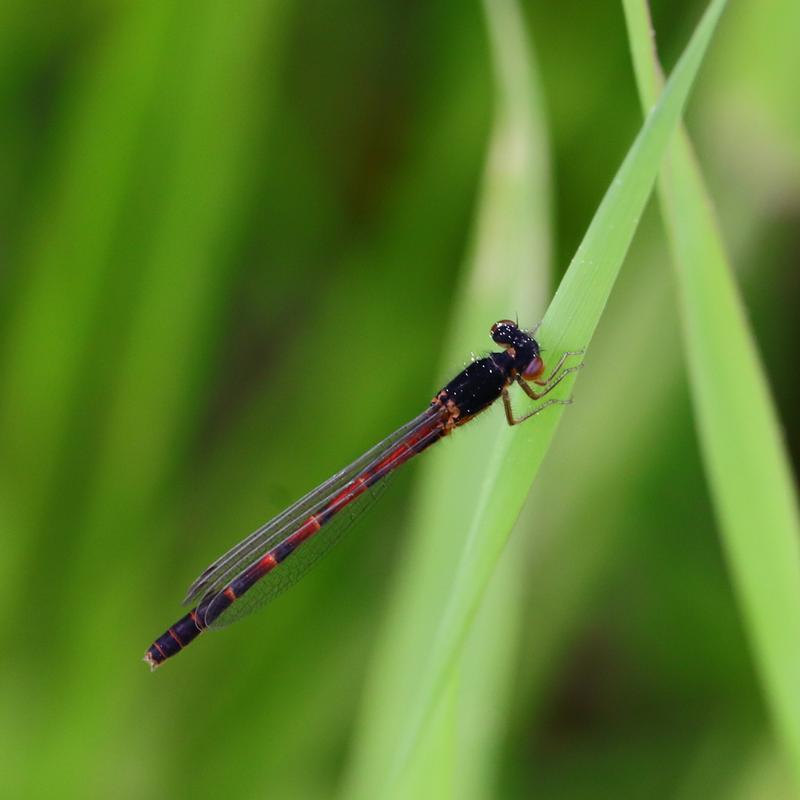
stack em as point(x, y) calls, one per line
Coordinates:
point(512, 420)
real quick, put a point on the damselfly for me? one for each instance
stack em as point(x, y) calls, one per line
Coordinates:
point(275, 555)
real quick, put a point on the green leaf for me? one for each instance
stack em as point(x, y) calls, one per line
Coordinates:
point(744, 454)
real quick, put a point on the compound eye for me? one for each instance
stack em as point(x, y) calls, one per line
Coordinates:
point(502, 330)
point(503, 322)
point(534, 369)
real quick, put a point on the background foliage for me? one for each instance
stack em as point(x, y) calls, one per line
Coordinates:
point(232, 243)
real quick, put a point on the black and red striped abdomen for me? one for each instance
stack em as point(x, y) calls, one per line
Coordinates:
point(213, 605)
point(174, 640)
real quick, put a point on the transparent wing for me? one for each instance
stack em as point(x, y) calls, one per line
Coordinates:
point(300, 560)
point(288, 572)
point(215, 577)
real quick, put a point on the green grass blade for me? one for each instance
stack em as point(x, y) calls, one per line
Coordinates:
point(507, 274)
point(511, 459)
point(745, 457)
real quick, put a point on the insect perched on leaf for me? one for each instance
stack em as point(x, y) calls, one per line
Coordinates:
point(275, 555)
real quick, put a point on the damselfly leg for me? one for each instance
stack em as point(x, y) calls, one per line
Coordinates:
point(555, 377)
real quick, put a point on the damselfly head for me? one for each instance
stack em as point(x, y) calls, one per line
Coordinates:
point(521, 346)
point(508, 334)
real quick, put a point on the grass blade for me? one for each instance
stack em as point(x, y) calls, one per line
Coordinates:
point(739, 432)
point(512, 458)
point(507, 274)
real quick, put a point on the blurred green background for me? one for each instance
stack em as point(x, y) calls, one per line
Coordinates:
point(231, 238)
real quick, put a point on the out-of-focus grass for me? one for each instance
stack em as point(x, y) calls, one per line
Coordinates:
point(353, 167)
point(747, 465)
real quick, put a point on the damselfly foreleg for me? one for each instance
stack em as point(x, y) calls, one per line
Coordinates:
point(560, 363)
point(556, 376)
point(551, 382)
